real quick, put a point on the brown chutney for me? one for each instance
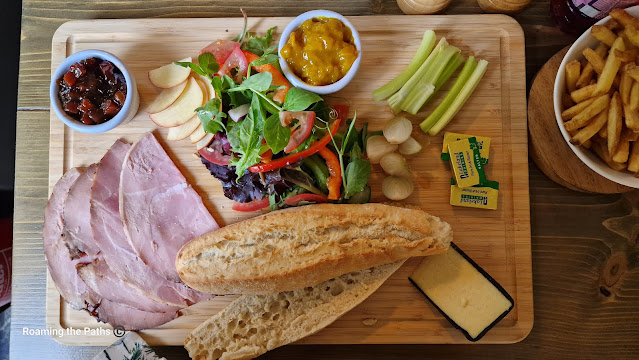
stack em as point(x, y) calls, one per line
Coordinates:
point(92, 91)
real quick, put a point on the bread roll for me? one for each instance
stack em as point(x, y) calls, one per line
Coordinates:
point(304, 246)
point(255, 324)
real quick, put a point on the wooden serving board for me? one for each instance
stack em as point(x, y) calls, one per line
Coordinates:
point(497, 240)
point(547, 146)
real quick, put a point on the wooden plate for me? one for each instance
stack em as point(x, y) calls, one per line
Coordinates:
point(497, 240)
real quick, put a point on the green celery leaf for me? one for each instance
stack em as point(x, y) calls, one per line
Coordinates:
point(299, 99)
point(276, 135)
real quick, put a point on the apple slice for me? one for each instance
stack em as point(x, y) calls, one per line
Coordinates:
point(204, 141)
point(207, 82)
point(184, 130)
point(166, 98)
point(198, 134)
point(181, 110)
point(205, 90)
point(169, 75)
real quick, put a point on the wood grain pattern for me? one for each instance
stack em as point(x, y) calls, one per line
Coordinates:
point(551, 153)
point(573, 319)
point(498, 111)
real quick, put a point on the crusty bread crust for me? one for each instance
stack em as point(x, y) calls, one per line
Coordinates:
point(255, 324)
point(298, 247)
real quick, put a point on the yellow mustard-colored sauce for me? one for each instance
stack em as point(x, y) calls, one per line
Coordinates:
point(321, 51)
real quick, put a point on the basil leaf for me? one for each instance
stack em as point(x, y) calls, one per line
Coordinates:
point(265, 59)
point(194, 67)
point(211, 116)
point(259, 82)
point(208, 64)
point(299, 99)
point(358, 172)
point(276, 135)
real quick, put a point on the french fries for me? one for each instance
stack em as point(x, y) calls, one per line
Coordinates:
point(573, 70)
point(583, 118)
point(609, 72)
point(615, 122)
point(601, 100)
point(625, 83)
point(603, 34)
point(594, 59)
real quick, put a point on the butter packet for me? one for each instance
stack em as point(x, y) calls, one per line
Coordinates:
point(466, 162)
point(482, 141)
point(479, 196)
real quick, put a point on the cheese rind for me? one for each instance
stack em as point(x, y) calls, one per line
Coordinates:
point(462, 291)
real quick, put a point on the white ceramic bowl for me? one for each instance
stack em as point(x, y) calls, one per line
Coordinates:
point(128, 110)
point(296, 81)
point(587, 156)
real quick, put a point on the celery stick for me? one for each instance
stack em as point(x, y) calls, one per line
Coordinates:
point(397, 99)
point(461, 99)
point(449, 70)
point(452, 94)
point(426, 86)
point(425, 48)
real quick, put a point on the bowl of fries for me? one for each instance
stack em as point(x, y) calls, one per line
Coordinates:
point(596, 97)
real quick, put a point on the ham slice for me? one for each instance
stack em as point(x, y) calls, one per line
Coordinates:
point(77, 216)
point(97, 275)
point(62, 268)
point(99, 278)
point(160, 211)
point(108, 233)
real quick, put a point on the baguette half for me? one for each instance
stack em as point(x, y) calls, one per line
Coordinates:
point(255, 324)
point(304, 246)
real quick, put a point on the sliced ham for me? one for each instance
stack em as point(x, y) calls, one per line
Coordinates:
point(160, 211)
point(132, 319)
point(96, 274)
point(108, 233)
point(99, 278)
point(61, 267)
point(77, 216)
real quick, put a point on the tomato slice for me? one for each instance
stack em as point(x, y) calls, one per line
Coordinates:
point(214, 152)
point(236, 60)
point(251, 206)
point(295, 200)
point(221, 49)
point(306, 120)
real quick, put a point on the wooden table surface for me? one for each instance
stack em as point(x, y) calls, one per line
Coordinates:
point(585, 247)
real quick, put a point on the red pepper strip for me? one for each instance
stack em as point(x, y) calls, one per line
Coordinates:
point(292, 158)
point(334, 181)
point(267, 156)
point(278, 78)
point(295, 200)
point(251, 206)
